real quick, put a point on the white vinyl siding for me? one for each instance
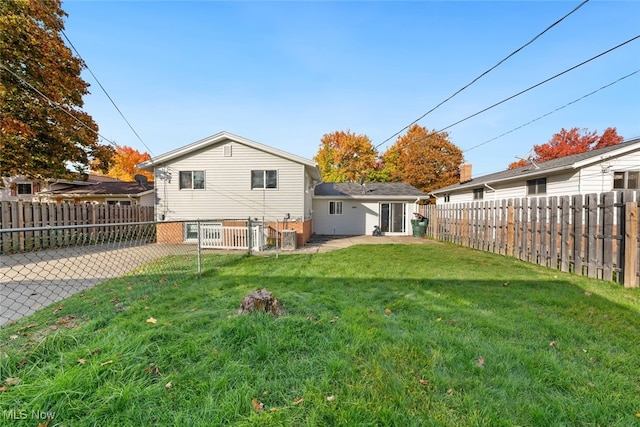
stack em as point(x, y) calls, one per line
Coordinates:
point(358, 217)
point(228, 192)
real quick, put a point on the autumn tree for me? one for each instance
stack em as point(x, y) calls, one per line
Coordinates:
point(425, 159)
point(346, 157)
point(572, 141)
point(42, 126)
point(123, 164)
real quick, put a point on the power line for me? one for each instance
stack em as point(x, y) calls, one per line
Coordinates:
point(104, 90)
point(485, 73)
point(541, 83)
point(55, 104)
point(551, 112)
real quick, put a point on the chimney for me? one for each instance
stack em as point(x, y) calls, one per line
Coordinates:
point(465, 173)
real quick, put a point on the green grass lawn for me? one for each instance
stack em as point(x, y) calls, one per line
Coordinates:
point(380, 335)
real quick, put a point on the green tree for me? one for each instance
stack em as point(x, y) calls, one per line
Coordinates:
point(43, 128)
point(427, 160)
point(346, 157)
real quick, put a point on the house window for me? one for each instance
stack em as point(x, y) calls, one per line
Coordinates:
point(629, 180)
point(264, 179)
point(478, 193)
point(536, 186)
point(335, 208)
point(24, 188)
point(192, 180)
point(119, 202)
point(191, 231)
point(447, 198)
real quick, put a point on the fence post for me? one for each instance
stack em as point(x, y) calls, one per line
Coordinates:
point(199, 247)
point(631, 245)
point(511, 227)
point(249, 233)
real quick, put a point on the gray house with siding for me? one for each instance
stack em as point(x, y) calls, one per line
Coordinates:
point(611, 168)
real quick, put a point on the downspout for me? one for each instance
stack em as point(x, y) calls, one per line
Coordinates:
point(492, 189)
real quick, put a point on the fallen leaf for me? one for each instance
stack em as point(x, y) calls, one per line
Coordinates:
point(505, 284)
point(298, 400)
point(152, 320)
point(257, 405)
point(450, 391)
point(387, 311)
point(108, 362)
point(553, 344)
point(372, 310)
point(274, 409)
point(481, 362)
point(439, 319)
point(638, 414)
point(331, 398)
point(14, 337)
point(96, 351)
point(82, 361)
point(424, 382)
point(129, 288)
point(590, 384)
point(333, 319)
point(168, 385)
point(46, 423)
point(3, 389)
point(11, 381)
point(587, 293)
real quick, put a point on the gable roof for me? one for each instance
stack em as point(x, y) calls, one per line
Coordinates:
point(219, 137)
point(368, 190)
point(572, 162)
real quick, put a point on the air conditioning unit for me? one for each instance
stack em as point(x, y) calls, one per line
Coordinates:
point(289, 240)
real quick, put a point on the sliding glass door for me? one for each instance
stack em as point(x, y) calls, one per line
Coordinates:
point(392, 217)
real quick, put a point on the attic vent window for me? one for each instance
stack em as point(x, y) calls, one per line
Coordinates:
point(226, 151)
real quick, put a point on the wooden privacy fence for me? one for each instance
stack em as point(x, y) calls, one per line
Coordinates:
point(595, 235)
point(19, 219)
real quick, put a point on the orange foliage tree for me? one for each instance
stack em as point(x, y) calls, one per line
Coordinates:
point(425, 159)
point(345, 156)
point(572, 141)
point(123, 164)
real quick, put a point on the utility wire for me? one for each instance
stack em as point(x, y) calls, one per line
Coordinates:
point(485, 73)
point(57, 105)
point(541, 83)
point(551, 112)
point(104, 90)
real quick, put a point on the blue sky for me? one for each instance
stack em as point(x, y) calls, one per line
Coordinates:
point(286, 73)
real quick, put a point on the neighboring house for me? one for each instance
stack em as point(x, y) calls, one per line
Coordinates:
point(355, 209)
point(226, 176)
point(116, 192)
point(35, 190)
point(611, 168)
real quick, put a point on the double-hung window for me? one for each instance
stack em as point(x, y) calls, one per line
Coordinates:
point(264, 179)
point(478, 193)
point(24, 189)
point(335, 208)
point(629, 180)
point(192, 180)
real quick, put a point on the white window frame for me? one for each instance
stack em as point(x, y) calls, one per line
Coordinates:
point(335, 207)
point(192, 180)
point(22, 185)
point(267, 182)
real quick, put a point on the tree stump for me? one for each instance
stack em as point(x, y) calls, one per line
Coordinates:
point(261, 300)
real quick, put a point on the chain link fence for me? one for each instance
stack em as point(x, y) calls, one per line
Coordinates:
point(40, 266)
